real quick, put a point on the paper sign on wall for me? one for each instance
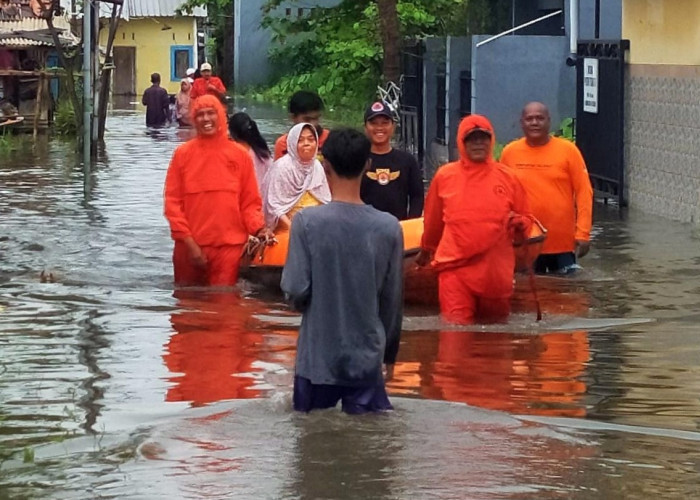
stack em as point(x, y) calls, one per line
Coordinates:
point(590, 85)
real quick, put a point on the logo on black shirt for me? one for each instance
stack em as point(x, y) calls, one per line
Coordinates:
point(384, 176)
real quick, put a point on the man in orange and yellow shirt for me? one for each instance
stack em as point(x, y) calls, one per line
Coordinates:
point(559, 192)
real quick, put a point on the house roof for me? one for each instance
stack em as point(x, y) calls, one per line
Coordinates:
point(32, 24)
point(150, 8)
point(33, 38)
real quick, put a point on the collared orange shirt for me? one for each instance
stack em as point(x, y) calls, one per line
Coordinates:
point(558, 189)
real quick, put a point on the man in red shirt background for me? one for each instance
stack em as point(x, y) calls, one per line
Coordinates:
point(207, 84)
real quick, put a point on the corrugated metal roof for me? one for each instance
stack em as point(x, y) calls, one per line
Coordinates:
point(19, 42)
point(150, 8)
point(34, 38)
point(33, 24)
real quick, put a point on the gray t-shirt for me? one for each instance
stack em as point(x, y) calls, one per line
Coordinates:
point(344, 272)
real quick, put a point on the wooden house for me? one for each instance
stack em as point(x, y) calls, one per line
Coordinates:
point(27, 56)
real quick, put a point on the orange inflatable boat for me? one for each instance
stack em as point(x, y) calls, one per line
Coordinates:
point(420, 284)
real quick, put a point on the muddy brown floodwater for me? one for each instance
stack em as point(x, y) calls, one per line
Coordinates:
point(113, 385)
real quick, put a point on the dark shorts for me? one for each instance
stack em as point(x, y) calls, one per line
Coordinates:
point(356, 400)
point(561, 263)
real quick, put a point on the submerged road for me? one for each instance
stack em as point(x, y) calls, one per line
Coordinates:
point(113, 385)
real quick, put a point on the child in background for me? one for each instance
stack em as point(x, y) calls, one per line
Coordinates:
point(304, 107)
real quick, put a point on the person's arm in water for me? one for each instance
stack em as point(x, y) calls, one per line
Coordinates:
point(296, 276)
point(433, 224)
point(284, 222)
point(520, 219)
point(165, 104)
point(415, 190)
point(583, 195)
point(391, 304)
point(143, 98)
point(179, 226)
point(250, 201)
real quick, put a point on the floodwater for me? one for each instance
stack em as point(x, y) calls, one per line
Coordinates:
point(113, 385)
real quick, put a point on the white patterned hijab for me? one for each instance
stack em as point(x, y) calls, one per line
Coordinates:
point(289, 178)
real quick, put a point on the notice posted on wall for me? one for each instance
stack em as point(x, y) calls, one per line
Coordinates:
point(590, 85)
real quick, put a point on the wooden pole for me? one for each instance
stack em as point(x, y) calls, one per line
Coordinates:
point(87, 95)
point(38, 103)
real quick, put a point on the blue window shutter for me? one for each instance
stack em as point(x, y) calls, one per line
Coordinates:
point(174, 50)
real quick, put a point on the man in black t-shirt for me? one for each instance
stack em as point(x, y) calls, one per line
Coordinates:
point(394, 181)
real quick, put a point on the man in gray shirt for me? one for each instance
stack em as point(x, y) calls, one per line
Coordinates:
point(344, 273)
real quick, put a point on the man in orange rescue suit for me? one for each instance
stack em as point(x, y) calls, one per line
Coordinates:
point(394, 181)
point(474, 210)
point(558, 188)
point(211, 201)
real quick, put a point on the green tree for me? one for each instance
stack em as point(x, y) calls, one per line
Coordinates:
point(220, 18)
point(391, 39)
point(343, 52)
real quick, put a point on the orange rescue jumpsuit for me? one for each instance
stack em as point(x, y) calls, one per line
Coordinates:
point(468, 211)
point(211, 194)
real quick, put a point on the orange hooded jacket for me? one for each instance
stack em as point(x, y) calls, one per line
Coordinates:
point(210, 189)
point(467, 213)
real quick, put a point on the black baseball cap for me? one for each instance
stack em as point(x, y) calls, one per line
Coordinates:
point(476, 129)
point(378, 108)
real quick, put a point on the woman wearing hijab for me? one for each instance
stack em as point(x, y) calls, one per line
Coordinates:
point(474, 210)
point(244, 131)
point(296, 180)
point(182, 104)
point(211, 201)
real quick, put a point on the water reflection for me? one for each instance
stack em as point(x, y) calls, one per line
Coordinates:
point(557, 296)
point(92, 341)
point(212, 351)
point(523, 374)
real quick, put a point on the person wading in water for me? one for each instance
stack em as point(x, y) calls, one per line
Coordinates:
point(344, 272)
point(474, 210)
point(211, 201)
